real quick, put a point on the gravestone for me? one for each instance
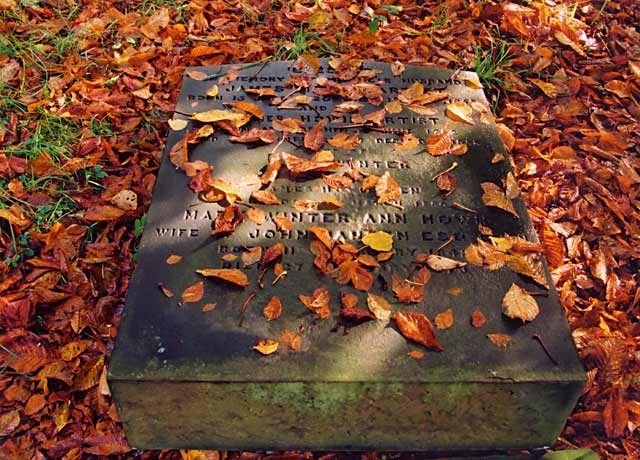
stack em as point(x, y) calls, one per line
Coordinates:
point(187, 378)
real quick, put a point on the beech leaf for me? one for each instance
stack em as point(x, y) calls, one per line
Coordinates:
point(517, 303)
point(266, 346)
point(193, 293)
point(417, 327)
point(379, 241)
point(232, 275)
point(379, 307)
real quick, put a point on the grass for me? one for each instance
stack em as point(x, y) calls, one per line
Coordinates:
point(491, 67)
point(303, 41)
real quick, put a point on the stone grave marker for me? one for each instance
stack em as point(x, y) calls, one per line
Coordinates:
point(187, 378)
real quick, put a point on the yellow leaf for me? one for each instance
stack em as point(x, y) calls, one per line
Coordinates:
point(213, 91)
point(460, 111)
point(217, 115)
point(178, 124)
point(266, 346)
point(517, 303)
point(379, 241)
point(379, 307)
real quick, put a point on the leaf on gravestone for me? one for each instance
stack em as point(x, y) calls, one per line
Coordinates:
point(291, 340)
point(262, 92)
point(446, 183)
point(511, 186)
point(456, 291)
point(408, 142)
point(165, 290)
point(387, 189)
point(517, 303)
point(460, 111)
point(177, 124)
point(440, 143)
point(9, 421)
point(266, 346)
point(305, 205)
point(394, 106)
point(273, 309)
point(221, 190)
point(415, 354)
point(417, 327)
point(314, 138)
point(397, 68)
point(352, 271)
point(348, 107)
point(494, 196)
point(322, 234)
point(300, 166)
point(229, 257)
point(248, 107)
point(323, 155)
point(173, 259)
point(271, 171)
point(318, 302)
point(193, 293)
point(292, 103)
point(282, 223)
point(288, 125)
point(251, 256)
point(258, 216)
point(379, 307)
point(196, 75)
point(378, 241)
point(227, 220)
point(477, 318)
point(412, 93)
point(102, 213)
point(444, 320)
point(348, 300)
point(265, 197)
point(422, 110)
point(471, 82)
point(411, 290)
point(213, 91)
point(231, 275)
point(309, 62)
point(373, 118)
point(271, 254)
point(500, 340)
point(528, 265)
point(384, 256)
point(368, 260)
point(214, 115)
point(230, 76)
point(344, 141)
point(330, 204)
point(349, 312)
point(267, 136)
point(337, 181)
point(208, 307)
point(439, 263)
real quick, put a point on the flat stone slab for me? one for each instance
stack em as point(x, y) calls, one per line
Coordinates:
point(184, 378)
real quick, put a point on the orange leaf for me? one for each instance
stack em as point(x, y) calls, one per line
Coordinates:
point(417, 327)
point(318, 302)
point(103, 213)
point(478, 319)
point(232, 275)
point(379, 307)
point(248, 107)
point(291, 340)
point(256, 215)
point(208, 307)
point(282, 223)
point(265, 197)
point(298, 166)
point(271, 254)
point(193, 293)
point(439, 263)
point(314, 138)
point(173, 259)
point(494, 196)
point(444, 320)
point(554, 249)
point(415, 354)
point(165, 290)
point(273, 309)
point(344, 141)
point(408, 142)
point(500, 340)
point(35, 404)
point(214, 115)
point(254, 135)
point(323, 235)
point(9, 421)
point(288, 125)
point(387, 189)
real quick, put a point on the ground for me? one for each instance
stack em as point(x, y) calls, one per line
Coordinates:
point(86, 89)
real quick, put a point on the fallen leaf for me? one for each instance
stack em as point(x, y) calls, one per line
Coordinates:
point(460, 111)
point(411, 290)
point(439, 263)
point(282, 223)
point(251, 256)
point(417, 327)
point(444, 320)
point(227, 220)
point(477, 318)
point(273, 309)
point(288, 125)
point(266, 346)
point(446, 183)
point(72, 350)
point(271, 254)
point(99, 213)
point(232, 275)
point(408, 142)
point(299, 166)
point(323, 235)
point(207, 307)
point(9, 421)
point(397, 68)
point(455, 291)
point(387, 189)
point(314, 138)
point(500, 340)
point(178, 124)
point(173, 259)
point(165, 290)
point(214, 115)
point(379, 307)
point(213, 91)
point(378, 241)
point(34, 405)
point(344, 141)
point(248, 107)
point(262, 92)
point(318, 302)
point(267, 136)
point(258, 216)
point(265, 197)
point(291, 340)
point(193, 293)
point(517, 303)
point(494, 196)
point(415, 354)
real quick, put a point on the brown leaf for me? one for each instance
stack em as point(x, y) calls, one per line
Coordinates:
point(282, 223)
point(173, 259)
point(9, 421)
point(34, 405)
point(207, 307)
point(518, 304)
point(417, 327)
point(271, 254)
point(415, 354)
point(214, 115)
point(494, 196)
point(273, 309)
point(248, 107)
point(288, 125)
point(258, 216)
point(227, 220)
point(352, 271)
point(460, 111)
point(101, 213)
point(408, 142)
point(165, 290)
point(261, 92)
point(272, 169)
point(323, 235)
point(615, 415)
point(300, 166)
point(291, 340)
point(72, 350)
point(554, 249)
point(265, 197)
point(314, 138)
point(251, 256)
point(379, 307)
point(387, 189)
point(232, 275)
point(193, 293)
point(477, 318)
point(318, 302)
point(444, 320)
point(266, 346)
point(440, 143)
point(344, 141)
point(267, 136)
point(411, 291)
point(500, 340)
point(446, 183)
point(338, 181)
point(439, 263)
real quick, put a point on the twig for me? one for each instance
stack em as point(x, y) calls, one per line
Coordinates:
point(244, 307)
point(544, 347)
point(445, 244)
point(455, 204)
point(449, 169)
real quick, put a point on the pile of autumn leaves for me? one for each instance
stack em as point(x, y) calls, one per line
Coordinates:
point(342, 261)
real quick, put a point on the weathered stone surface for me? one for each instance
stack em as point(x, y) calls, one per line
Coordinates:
point(187, 379)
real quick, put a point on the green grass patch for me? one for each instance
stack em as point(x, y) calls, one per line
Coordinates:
point(303, 41)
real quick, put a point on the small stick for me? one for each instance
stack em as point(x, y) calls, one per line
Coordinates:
point(260, 283)
point(244, 307)
point(449, 169)
point(455, 204)
point(279, 277)
point(544, 347)
point(445, 244)
point(395, 205)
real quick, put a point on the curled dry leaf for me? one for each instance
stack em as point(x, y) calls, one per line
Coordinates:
point(415, 354)
point(477, 318)
point(271, 254)
point(173, 259)
point(193, 293)
point(446, 183)
point(282, 223)
point(178, 124)
point(266, 346)
point(318, 302)
point(397, 68)
point(267, 136)
point(273, 309)
point(352, 271)
point(494, 196)
point(314, 138)
point(256, 215)
point(227, 220)
point(165, 290)
point(251, 256)
point(411, 290)
point(439, 263)
point(207, 307)
point(387, 189)
point(265, 197)
point(444, 320)
point(291, 340)
point(323, 235)
point(214, 115)
point(517, 303)
point(500, 340)
point(248, 107)
point(229, 257)
point(231, 275)
point(408, 142)
point(288, 125)
point(378, 241)
point(300, 166)
point(379, 307)
point(272, 169)
point(261, 92)
point(344, 141)
point(417, 327)
point(460, 111)
point(97, 213)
